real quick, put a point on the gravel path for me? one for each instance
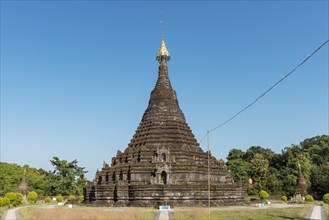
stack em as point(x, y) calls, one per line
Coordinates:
point(11, 214)
point(316, 213)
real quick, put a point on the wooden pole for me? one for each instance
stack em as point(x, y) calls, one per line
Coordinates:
point(208, 174)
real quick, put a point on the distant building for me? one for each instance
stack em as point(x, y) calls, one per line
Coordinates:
point(23, 187)
point(163, 164)
point(301, 187)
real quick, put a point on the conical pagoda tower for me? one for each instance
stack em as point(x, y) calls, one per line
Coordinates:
point(301, 187)
point(163, 163)
point(23, 187)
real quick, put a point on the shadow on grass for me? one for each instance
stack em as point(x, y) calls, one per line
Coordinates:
point(286, 217)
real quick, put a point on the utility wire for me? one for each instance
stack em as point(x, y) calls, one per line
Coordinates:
point(267, 91)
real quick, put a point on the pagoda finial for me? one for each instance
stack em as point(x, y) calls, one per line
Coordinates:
point(163, 53)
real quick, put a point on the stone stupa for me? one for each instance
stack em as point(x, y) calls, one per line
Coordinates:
point(23, 187)
point(163, 163)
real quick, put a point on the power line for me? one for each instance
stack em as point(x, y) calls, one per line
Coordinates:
point(267, 91)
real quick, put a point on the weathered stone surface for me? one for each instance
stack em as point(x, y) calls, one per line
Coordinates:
point(301, 187)
point(23, 187)
point(163, 162)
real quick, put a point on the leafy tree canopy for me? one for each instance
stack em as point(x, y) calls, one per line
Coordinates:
point(67, 178)
point(278, 173)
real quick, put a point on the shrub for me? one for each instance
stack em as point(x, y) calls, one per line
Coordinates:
point(1, 201)
point(263, 194)
point(326, 198)
point(14, 198)
point(284, 198)
point(59, 198)
point(11, 196)
point(297, 199)
point(309, 198)
point(47, 200)
point(81, 198)
point(19, 198)
point(5, 201)
point(32, 197)
point(71, 197)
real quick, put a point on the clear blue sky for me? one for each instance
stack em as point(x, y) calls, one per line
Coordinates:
point(76, 76)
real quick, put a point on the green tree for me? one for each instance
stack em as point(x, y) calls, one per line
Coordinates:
point(235, 154)
point(37, 179)
point(273, 182)
point(292, 157)
point(10, 177)
point(318, 150)
point(71, 176)
point(240, 169)
point(320, 179)
point(266, 153)
point(259, 170)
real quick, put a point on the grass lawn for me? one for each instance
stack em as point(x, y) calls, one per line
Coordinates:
point(180, 213)
point(252, 213)
point(80, 212)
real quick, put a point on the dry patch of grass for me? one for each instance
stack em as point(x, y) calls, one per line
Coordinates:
point(2, 211)
point(326, 208)
point(242, 213)
point(62, 212)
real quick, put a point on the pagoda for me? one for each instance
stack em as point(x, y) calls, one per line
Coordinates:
point(163, 163)
point(23, 187)
point(301, 187)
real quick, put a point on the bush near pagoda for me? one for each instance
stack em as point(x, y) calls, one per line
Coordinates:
point(14, 198)
point(284, 198)
point(59, 199)
point(32, 197)
point(47, 199)
point(5, 201)
point(326, 198)
point(263, 195)
point(71, 197)
point(309, 198)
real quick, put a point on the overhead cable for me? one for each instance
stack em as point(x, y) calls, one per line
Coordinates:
point(267, 91)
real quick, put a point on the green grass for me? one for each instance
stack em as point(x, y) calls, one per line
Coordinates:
point(252, 214)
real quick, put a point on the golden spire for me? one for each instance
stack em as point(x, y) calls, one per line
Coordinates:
point(163, 53)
